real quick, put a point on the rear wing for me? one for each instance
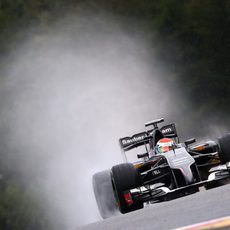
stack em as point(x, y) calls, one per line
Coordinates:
point(139, 139)
point(128, 143)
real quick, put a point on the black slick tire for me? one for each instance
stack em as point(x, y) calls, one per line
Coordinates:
point(224, 148)
point(125, 177)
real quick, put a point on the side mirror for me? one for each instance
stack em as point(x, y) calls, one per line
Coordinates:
point(190, 141)
point(142, 155)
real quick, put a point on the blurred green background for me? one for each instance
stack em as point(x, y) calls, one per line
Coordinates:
point(193, 37)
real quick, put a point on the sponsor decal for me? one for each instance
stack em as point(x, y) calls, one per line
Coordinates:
point(130, 140)
point(167, 130)
point(156, 172)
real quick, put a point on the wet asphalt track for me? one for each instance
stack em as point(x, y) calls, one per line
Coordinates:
point(201, 206)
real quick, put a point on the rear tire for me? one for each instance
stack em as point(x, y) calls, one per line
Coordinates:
point(103, 191)
point(224, 148)
point(125, 177)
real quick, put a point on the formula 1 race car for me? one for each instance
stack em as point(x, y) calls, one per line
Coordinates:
point(167, 169)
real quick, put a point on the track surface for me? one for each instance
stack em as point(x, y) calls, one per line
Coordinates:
point(201, 206)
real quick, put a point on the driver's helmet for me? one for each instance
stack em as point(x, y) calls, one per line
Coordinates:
point(164, 145)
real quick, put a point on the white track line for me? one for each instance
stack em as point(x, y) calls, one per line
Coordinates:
point(210, 224)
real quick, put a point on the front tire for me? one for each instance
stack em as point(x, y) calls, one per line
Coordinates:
point(224, 148)
point(125, 177)
point(224, 155)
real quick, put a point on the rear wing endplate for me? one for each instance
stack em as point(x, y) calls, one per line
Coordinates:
point(169, 131)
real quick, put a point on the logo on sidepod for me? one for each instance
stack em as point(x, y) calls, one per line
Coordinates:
point(156, 172)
